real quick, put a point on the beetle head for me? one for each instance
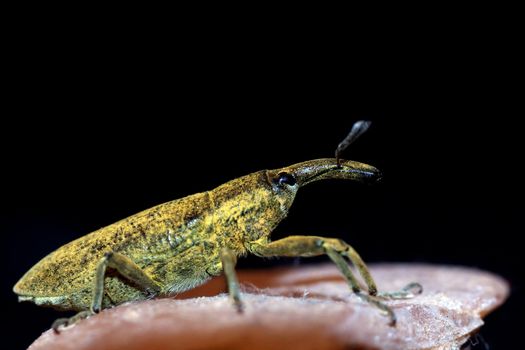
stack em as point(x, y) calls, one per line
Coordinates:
point(285, 182)
point(256, 203)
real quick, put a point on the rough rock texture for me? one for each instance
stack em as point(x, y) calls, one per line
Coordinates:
point(303, 308)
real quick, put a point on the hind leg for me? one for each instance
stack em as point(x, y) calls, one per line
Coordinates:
point(123, 265)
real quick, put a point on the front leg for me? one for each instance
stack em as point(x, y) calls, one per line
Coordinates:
point(337, 250)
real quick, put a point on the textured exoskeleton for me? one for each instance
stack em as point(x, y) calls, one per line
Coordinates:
point(178, 245)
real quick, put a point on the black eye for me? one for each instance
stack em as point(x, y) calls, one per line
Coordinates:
point(285, 178)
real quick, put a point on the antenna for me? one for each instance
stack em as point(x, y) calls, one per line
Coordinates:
point(358, 129)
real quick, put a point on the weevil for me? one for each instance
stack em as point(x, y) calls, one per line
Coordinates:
point(178, 245)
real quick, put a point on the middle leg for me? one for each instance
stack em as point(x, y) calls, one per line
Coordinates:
point(228, 260)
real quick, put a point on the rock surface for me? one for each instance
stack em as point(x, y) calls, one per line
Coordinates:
point(302, 307)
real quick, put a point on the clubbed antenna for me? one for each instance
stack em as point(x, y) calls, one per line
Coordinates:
point(358, 129)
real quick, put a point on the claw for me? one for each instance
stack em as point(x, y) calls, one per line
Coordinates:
point(385, 309)
point(69, 321)
point(407, 292)
point(414, 285)
point(239, 306)
point(59, 322)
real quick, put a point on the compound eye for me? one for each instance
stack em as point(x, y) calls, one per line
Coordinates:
point(286, 179)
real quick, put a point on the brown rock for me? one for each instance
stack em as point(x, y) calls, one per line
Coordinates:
point(303, 308)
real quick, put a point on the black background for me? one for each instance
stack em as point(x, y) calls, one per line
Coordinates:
point(101, 130)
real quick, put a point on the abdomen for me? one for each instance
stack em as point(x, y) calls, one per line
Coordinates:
point(159, 240)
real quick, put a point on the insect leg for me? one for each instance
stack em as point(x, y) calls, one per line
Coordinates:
point(341, 264)
point(343, 267)
point(229, 260)
point(336, 249)
point(126, 268)
point(67, 321)
point(409, 291)
point(313, 246)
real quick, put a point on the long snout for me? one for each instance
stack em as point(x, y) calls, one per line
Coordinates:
point(327, 168)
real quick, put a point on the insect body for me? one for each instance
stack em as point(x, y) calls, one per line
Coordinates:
point(178, 245)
